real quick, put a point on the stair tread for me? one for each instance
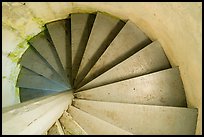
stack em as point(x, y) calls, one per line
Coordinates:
point(149, 59)
point(33, 61)
point(56, 129)
point(81, 25)
point(28, 94)
point(48, 52)
point(104, 30)
point(30, 79)
point(70, 126)
point(128, 41)
point(94, 126)
point(60, 34)
point(164, 88)
point(142, 119)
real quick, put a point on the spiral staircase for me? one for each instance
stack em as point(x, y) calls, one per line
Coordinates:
point(123, 82)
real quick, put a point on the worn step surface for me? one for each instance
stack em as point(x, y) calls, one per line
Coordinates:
point(128, 41)
point(93, 125)
point(32, 60)
point(56, 129)
point(163, 88)
point(28, 94)
point(104, 30)
point(149, 59)
point(81, 25)
point(60, 34)
point(70, 126)
point(48, 52)
point(30, 79)
point(143, 119)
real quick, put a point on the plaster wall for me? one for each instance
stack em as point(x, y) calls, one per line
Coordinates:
point(177, 26)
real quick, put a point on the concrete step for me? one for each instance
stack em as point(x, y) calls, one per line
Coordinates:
point(30, 79)
point(81, 25)
point(70, 126)
point(60, 35)
point(149, 59)
point(93, 125)
point(26, 94)
point(105, 29)
point(32, 60)
point(128, 41)
point(163, 88)
point(56, 129)
point(48, 52)
point(143, 119)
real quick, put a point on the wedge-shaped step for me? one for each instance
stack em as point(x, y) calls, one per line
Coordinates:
point(60, 34)
point(28, 94)
point(56, 129)
point(30, 79)
point(81, 25)
point(93, 125)
point(128, 41)
point(163, 88)
point(143, 119)
point(48, 52)
point(70, 126)
point(149, 59)
point(32, 60)
point(105, 29)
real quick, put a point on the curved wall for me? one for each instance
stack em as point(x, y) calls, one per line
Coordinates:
point(178, 27)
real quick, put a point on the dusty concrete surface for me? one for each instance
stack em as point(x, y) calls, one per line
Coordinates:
point(177, 26)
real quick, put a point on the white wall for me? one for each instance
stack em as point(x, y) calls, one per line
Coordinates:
point(176, 25)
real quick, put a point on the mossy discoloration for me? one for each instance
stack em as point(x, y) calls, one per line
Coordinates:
point(14, 73)
point(17, 91)
point(8, 25)
point(28, 37)
point(40, 22)
point(13, 78)
point(17, 53)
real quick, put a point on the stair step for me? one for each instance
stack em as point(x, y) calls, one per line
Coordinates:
point(149, 59)
point(81, 25)
point(53, 130)
point(28, 94)
point(60, 34)
point(32, 60)
point(48, 52)
point(94, 126)
point(164, 88)
point(105, 29)
point(56, 129)
point(70, 126)
point(30, 79)
point(128, 41)
point(143, 119)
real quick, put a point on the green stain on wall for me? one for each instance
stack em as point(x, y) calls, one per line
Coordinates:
point(13, 77)
point(16, 54)
point(17, 92)
point(19, 50)
point(40, 22)
point(15, 57)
